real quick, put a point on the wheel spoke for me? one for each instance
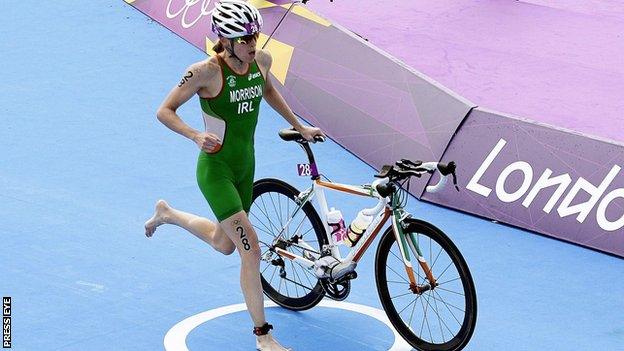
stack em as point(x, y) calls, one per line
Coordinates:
point(404, 294)
point(450, 291)
point(262, 230)
point(275, 214)
point(412, 313)
point(435, 302)
point(275, 208)
point(265, 268)
point(394, 281)
point(447, 304)
point(273, 274)
point(450, 311)
point(279, 204)
point(427, 319)
point(422, 278)
point(303, 218)
point(409, 304)
point(257, 219)
point(438, 315)
point(266, 213)
point(295, 277)
point(445, 269)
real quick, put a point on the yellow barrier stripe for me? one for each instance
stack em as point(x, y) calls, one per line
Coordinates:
point(261, 4)
point(282, 55)
point(305, 13)
point(209, 45)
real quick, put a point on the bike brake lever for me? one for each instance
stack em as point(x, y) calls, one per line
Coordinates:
point(384, 172)
point(455, 180)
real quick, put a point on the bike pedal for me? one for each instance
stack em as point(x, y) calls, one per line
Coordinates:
point(351, 276)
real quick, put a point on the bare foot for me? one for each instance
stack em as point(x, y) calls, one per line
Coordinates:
point(160, 217)
point(267, 343)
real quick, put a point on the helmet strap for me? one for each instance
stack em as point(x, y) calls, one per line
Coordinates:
point(230, 51)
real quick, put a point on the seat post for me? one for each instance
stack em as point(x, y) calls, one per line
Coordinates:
point(314, 171)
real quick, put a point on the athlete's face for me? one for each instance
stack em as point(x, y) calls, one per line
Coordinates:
point(245, 47)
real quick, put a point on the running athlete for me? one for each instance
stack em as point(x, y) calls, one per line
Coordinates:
point(230, 86)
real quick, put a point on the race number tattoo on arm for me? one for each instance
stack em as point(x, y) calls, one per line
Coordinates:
point(185, 78)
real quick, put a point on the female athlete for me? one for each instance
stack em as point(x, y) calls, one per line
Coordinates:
point(230, 86)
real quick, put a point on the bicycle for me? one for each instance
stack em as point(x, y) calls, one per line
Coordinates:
point(439, 288)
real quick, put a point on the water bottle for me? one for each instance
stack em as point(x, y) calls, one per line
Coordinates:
point(357, 228)
point(336, 225)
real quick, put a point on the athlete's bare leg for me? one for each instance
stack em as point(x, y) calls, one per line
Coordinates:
point(201, 227)
point(241, 232)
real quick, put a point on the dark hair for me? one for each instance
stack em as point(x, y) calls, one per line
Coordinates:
point(218, 48)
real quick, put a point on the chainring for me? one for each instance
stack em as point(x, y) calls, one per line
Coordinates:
point(336, 291)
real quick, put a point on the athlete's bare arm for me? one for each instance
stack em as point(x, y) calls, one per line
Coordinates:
point(271, 95)
point(275, 99)
point(201, 77)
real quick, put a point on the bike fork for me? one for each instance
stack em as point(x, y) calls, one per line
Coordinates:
point(407, 242)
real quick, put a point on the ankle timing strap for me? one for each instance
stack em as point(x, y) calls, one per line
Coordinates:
point(263, 330)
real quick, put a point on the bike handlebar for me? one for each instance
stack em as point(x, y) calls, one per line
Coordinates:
point(406, 168)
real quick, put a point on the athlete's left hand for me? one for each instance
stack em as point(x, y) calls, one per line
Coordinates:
point(309, 133)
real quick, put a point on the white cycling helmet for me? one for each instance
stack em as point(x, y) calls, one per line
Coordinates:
point(235, 18)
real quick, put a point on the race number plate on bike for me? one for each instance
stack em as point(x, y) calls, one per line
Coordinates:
point(305, 169)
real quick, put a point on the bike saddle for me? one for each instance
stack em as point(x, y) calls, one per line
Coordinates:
point(289, 134)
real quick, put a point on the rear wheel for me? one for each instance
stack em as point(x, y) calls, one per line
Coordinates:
point(283, 281)
point(442, 318)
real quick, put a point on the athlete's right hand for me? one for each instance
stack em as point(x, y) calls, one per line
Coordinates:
point(208, 142)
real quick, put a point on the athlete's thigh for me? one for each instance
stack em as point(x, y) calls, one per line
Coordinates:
point(239, 229)
point(245, 190)
point(219, 188)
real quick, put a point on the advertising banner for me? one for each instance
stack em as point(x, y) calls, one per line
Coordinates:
point(552, 181)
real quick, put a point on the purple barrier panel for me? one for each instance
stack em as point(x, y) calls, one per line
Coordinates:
point(369, 102)
point(552, 181)
point(608, 8)
point(543, 62)
point(374, 106)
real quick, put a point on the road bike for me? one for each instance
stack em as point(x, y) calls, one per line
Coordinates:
point(424, 284)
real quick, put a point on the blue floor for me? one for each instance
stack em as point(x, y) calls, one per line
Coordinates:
point(83, 159)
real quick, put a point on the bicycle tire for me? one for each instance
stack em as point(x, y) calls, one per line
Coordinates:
point(438, 243)
point(271, 192)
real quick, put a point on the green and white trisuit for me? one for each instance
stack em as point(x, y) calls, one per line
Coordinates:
point(226, 176)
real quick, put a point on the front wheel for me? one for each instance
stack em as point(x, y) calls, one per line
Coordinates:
point(441, 318)
point(275, 214)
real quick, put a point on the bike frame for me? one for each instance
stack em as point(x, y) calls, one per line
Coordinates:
point(381, 212)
